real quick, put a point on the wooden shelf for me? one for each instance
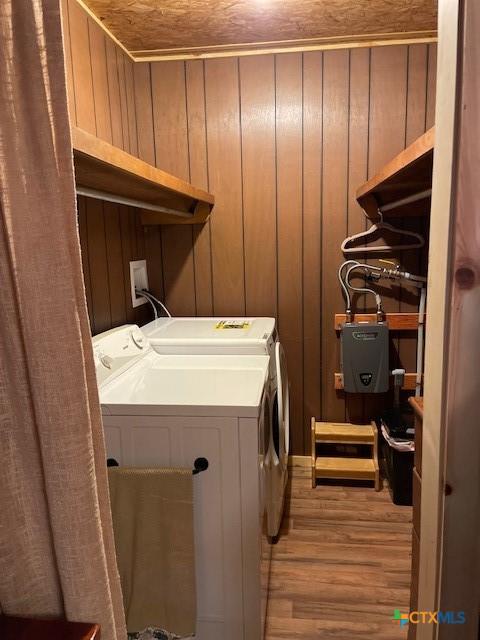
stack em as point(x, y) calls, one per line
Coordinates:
point(410, 172)
point(396, 321)
point(408, 385)
point(101, 167)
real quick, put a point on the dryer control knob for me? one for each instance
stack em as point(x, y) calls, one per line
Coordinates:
point(107, 361)
point(138, 339)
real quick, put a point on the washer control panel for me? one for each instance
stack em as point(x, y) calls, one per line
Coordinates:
point(116, 350)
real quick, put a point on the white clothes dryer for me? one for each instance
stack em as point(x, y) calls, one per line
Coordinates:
point(239, 336)
point(170, 410)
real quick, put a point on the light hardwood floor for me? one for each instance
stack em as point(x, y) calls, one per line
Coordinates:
point(341, 565)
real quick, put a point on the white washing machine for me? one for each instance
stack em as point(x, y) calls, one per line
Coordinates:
point(168, 411)
point(240, 336)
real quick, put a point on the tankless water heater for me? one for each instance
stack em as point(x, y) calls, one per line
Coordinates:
point(365, 362)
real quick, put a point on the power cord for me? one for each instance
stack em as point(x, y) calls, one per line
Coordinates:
point(150, 297)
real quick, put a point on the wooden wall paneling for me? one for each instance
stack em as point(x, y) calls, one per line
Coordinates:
point(139, 233)
point(144, 112)
point(416, 92)
point(128, 254)
point(100, 81)
point(131, 110)
point(178, 269)
point(123, 99)
point(146, 151)
point(359, 111)
point(97, 256)
point(289, 90)
point(334, 217)
point(114, 94)
point(197, 142)
point(132, 215)
point(414, 127)
point(143, 313)
point(388, 107)
point(68, 62)
point(153, 255)
point(196, 121)
point(113, 240)
point(83, 235)
point(388, 104)
point(170, 118)
point(172, 155)
point(225, 176)
point(124, 241)
point(257, 102)
point(388, 99)
point(312, 236)
point(431, 85)
point(82, 69)
point(111, 236)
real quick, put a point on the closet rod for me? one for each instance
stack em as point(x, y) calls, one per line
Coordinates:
point(139, 204)
point(408, 200)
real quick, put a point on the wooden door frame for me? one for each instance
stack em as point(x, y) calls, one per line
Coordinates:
point(450, 504)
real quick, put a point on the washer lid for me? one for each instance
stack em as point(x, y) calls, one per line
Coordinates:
point(188, 385)
point(225, 330)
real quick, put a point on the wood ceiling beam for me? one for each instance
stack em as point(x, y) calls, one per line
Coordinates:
point(261, 48)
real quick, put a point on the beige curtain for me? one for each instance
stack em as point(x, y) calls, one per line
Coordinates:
point(56, 541)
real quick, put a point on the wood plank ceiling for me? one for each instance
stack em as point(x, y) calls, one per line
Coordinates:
point(150, 27)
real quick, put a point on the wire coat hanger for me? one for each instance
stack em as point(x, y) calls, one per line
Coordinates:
point(380, 226)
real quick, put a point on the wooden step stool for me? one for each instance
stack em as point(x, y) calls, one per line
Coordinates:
point(343, 468)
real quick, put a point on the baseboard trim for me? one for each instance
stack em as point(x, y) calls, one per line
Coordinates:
point(300, 461)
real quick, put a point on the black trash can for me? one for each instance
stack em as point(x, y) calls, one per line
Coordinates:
point(399, 472)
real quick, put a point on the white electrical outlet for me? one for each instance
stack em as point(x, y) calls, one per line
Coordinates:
point(138, 280)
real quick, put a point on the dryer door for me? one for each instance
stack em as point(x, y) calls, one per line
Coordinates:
point(281, 421)
point(264, 429)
